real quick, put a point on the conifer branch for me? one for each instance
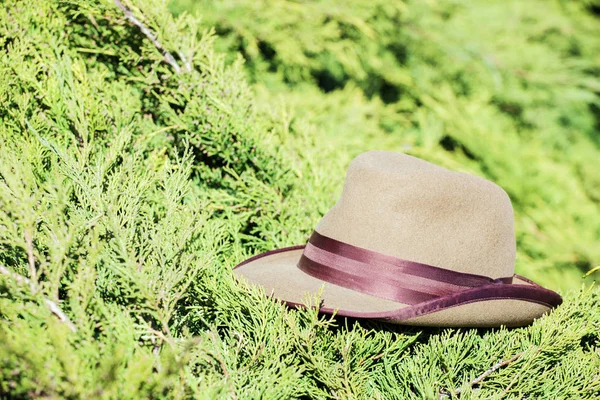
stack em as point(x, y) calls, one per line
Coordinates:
point(54, 308)
point(150, 35)
point(506, 389)
point(488, 372)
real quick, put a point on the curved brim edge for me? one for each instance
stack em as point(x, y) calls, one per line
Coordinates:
point(529, 292)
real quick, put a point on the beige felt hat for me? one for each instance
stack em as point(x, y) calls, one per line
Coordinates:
point(411, 243)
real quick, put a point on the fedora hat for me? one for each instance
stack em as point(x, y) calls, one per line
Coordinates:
point(412, 243)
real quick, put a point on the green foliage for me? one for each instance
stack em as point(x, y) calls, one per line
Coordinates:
point(462, 85)
point(128, 191)
point(322, 42)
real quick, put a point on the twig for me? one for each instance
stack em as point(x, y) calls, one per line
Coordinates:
point(60, 314)
point(487, 373)
point(186, 62)
point(254, 358)
point(218, 357)
point(150, 35)
point(484, 375)
point(54, 308)
point(162, 337)
point(516, 377)
point(31, 259)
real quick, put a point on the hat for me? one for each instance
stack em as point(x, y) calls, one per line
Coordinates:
point(411, 243)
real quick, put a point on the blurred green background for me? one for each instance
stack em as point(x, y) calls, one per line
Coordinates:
point(508, 90)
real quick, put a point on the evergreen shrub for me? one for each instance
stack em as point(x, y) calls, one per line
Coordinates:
point(137, 166)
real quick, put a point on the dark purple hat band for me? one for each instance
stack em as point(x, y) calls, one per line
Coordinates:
point(382, 275)
point(424, 288)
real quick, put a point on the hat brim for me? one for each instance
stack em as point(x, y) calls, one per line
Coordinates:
point(493, 305)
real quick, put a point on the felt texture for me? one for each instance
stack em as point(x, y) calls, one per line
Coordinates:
point(281, 279)
point(411, 209)
point(482, 314)
point(408, 208)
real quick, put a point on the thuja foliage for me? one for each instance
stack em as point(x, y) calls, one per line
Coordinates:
point(130, 185)
point(498, 89)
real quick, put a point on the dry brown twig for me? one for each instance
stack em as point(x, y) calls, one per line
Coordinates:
point(150, 35)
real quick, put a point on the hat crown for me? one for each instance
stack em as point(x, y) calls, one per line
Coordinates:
point(411, 209)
